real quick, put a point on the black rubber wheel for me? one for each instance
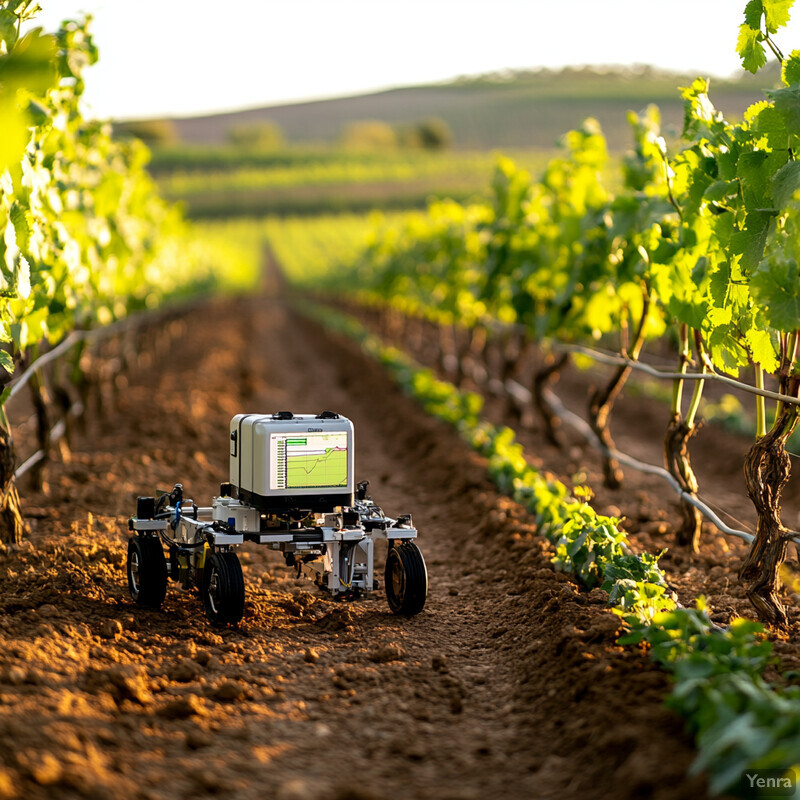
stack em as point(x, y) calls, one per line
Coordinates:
point(406, 579)
point(223, 588)
point(147, 571)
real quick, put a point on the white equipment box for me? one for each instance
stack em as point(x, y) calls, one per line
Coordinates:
point(280, 463)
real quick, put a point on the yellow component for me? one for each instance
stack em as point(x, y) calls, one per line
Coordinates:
point(201, 559)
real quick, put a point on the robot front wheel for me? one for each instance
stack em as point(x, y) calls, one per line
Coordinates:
point(223, 588)
point(147, 571)
point(406, 579)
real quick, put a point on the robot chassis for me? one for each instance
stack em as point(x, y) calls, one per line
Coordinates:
point(326, 533)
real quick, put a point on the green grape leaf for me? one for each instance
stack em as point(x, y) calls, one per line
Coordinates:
point(720, 316)
point(750, 242)
point(776, 13)
point(750, 49)
point(776, 289)
point(787, 104)
point(718, 285)
point(766, 120)
point(785, 183)
point(725, 351)
point(22, 230)
point(15, 132)
point(697, 107)
point(31, 64)
point(753, 170)
point(753, 12)
point(6, 362)
point(762, 349)
point(8, 28)
point(720, 190)
point(790, 72)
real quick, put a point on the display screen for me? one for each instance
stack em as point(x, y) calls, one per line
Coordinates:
point(308, 460)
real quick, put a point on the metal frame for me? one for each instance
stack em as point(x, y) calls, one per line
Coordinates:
point(337, 552)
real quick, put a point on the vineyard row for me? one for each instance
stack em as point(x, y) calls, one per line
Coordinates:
point(717, 670)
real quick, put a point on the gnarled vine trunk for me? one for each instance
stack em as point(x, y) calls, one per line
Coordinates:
point(766, 471)
point(12, 526)
point(40, 401)
point(602, 401)
point(679, 465)
point(544, 378)
point(601, 404)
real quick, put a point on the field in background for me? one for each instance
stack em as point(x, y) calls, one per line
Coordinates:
point(309, 162)
point(227, 182)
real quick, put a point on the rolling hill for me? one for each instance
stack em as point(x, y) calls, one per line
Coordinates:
point(515, 110)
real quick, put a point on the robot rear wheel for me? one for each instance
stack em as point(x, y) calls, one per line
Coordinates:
point(406, 579)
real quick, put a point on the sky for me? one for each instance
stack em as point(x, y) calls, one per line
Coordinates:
point(187, 57)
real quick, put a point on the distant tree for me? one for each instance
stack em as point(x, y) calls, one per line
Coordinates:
point(150, 131)
point(369, 134)
point(431, 133)
point(434, 134)
point(266, 135)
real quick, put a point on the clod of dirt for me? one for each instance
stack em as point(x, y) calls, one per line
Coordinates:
point(183, 708)
point(311, 656)
point(111, 629)
point(354, 793)
point(597, 597)
point(47, 770)
point(336, 621)
point(439, 663)
point(297, 789)
point(7, 789)
point(227, 692)
point(121, 682)
point(389, 652)
point(196, 739)
point(184, 672)
point(211, 782)
point(202, 657)
point(294, 609)
point(15, 675)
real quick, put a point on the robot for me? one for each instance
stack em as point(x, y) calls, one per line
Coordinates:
point(291, 488)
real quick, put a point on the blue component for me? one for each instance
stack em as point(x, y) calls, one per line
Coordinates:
point(232, 522)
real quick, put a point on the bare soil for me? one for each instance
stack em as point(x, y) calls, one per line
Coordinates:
point(509, 684)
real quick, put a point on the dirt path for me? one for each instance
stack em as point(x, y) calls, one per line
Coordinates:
point(509, 684)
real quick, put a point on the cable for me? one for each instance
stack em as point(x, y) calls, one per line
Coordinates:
point(134, 320)
point(616, 360)
point(582, 427)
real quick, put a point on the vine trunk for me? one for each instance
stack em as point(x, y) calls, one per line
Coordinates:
point(766, 471)
point(679, 465)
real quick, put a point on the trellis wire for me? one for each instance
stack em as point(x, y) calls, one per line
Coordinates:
point(59, 429)
point(582, 427)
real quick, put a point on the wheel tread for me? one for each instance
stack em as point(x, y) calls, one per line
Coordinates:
point(230, 608)
point(416, 579)
point(152, 572)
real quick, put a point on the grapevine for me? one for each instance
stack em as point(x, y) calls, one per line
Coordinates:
point(85, 238)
